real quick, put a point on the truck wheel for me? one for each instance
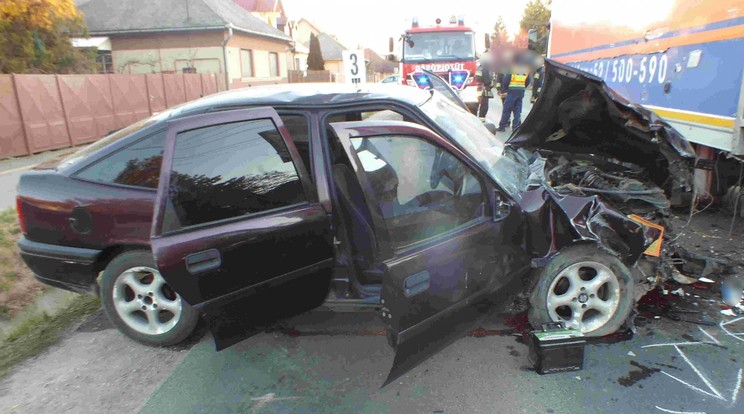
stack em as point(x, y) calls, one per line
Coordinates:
point(584, 287)
point(139, 302)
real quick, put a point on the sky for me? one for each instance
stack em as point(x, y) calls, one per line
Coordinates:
point(371, 23)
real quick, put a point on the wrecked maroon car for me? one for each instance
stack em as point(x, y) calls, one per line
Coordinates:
point(270, 201)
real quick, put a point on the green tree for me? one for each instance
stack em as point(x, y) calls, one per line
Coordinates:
point(315, 56)
point(35, 37)
point(500, 35)
point(536, 15)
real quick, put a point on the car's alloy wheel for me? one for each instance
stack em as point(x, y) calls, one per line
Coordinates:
point(145, 302)
point(139, 302)
point(584, 295)
point(585, 287)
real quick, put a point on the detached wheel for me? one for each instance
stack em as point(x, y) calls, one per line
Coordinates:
point(139, 302)
point(584, 287)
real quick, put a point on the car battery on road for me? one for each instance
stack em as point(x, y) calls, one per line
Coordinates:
point(555, 348)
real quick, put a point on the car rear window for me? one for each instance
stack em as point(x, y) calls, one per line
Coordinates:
point(230, 170)
point(137, 165)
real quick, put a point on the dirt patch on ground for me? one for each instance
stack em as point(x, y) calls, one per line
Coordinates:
point(18, 287)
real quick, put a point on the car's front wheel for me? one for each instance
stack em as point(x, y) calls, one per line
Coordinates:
point(139, 302)
point(586, 288)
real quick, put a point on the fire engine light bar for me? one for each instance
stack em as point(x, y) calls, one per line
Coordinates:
point(421, 79)
point(458, 78)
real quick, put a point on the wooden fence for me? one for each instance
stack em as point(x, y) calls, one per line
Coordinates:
point(298, 76)
point(46, 112)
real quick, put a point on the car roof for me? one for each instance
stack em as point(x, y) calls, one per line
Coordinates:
point(293, 94)
point(305, 94)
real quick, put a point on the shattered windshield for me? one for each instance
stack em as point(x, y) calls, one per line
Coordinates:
point(471, 135)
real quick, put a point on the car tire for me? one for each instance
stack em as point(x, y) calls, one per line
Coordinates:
point(141, 305)
point(585, 287)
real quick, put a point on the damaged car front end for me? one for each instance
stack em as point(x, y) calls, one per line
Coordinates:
point(603, 171)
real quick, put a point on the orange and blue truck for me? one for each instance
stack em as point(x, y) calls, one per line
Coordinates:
point(683, 59)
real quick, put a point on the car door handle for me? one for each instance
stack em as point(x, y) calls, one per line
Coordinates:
point(203, 261)
point(416, 283)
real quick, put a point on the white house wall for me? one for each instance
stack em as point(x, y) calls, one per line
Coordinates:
point(204, 59)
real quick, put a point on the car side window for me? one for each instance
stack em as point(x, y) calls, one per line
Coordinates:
point(421, 190)
point(229, 170)
point(136, 165)
point(298, 128)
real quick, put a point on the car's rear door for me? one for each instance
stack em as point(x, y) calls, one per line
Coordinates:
point(237, 230)
point(443, 247)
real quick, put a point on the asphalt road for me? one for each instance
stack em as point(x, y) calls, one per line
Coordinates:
point(323, 362)
point(341, 372)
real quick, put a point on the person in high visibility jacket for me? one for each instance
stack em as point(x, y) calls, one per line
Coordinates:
point(513, 85)
point(484, 76)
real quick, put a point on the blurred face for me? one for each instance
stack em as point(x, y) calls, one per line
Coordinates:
point(486, 59)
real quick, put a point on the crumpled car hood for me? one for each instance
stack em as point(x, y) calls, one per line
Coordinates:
point(578, 113)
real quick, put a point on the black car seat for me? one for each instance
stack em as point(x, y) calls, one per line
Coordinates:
point(357, 220)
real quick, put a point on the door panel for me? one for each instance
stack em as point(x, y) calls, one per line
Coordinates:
point(444, 251)
point(237, 222)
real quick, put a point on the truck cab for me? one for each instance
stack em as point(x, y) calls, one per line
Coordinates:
point(448, 50)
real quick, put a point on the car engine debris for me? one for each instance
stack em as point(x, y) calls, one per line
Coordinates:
point(622, 184)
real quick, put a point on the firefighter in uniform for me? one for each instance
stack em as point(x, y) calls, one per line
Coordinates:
point(513, 85)
point(537, 81)
point(484, 76)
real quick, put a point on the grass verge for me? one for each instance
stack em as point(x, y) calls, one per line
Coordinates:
point(34, 335)
point(18, 287)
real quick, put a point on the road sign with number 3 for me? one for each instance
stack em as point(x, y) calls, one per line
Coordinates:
point(355, 69)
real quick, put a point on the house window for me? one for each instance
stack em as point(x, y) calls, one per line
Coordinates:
point(104, 61)
point(246, 63)
point(273, 64)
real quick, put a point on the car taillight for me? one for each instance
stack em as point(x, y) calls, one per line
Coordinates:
point(21, 218)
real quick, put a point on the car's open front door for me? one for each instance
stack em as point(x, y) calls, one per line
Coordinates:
point(442, 248)
point(237, 228)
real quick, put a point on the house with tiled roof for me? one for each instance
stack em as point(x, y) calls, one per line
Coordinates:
point(270, 11)
point(332, 51)
point(203, 36)
point(330, 47)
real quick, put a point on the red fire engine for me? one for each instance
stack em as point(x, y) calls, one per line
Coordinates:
point(447, 50)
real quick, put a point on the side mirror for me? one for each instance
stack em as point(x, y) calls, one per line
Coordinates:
point(487, 41)
point(501, 206)
point(391, 45)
